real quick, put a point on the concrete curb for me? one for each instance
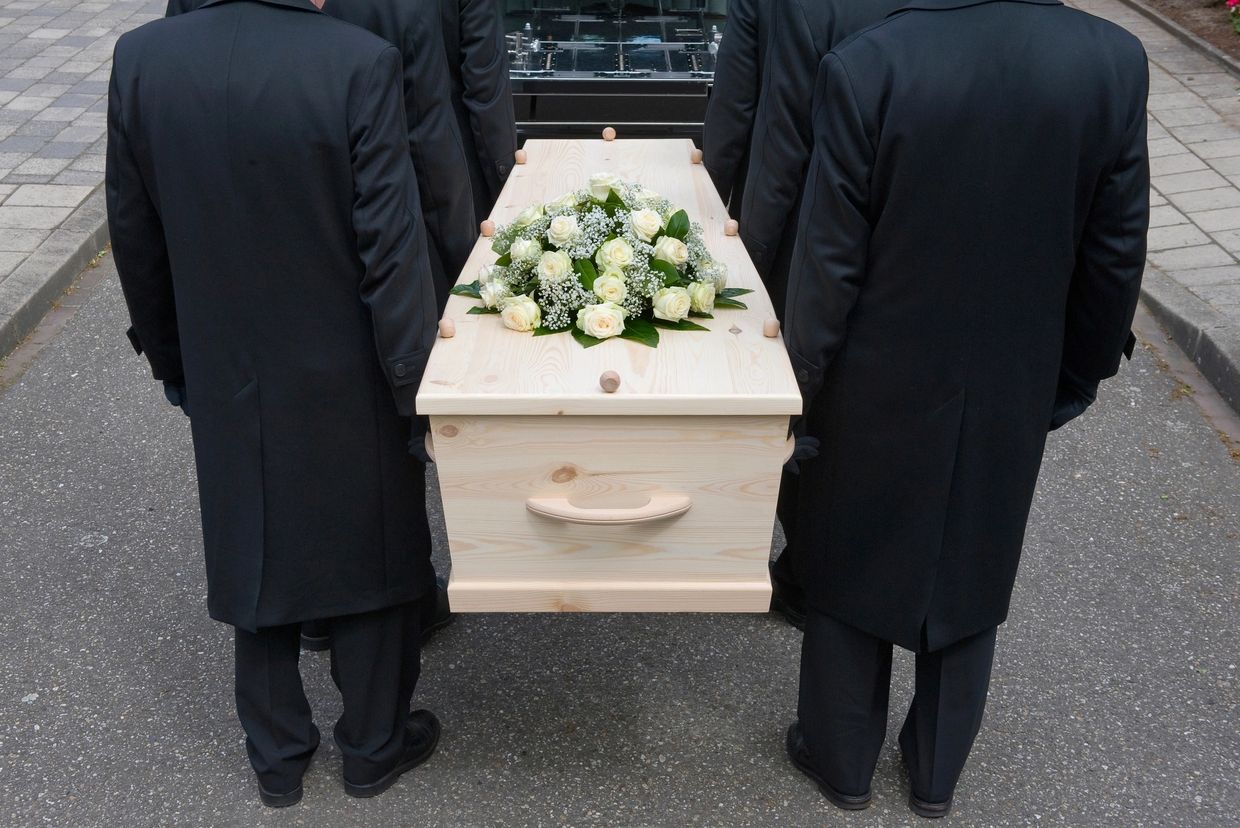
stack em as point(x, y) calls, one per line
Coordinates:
point(1208, 339)
point(1185, 36)
point(28, 292)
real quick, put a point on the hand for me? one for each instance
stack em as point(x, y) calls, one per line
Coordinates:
point(806, 448)
point(418, 427)
point(1072, 398)
point(176, 394)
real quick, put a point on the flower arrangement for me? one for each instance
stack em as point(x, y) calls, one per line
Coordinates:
point(611, 260)
point(1233, 12)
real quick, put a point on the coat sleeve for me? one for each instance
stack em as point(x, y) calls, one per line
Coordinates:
point(438, 155)
point(488, 89)
point(733, 99)
point(830, 259)
point(140, 250)
point(397, 285)
point(783, 137)
point(1110, 260)
point(176, 7)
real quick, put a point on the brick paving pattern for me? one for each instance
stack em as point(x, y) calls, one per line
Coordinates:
point(55, 58)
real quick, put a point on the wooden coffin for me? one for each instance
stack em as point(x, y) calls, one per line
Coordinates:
point(659, 497)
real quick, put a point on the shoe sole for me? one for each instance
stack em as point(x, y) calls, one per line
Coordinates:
point(376, 788)
point(842, 801)
point(429, 632)
point(316, 644)
point(284, 800)
point(929, 810)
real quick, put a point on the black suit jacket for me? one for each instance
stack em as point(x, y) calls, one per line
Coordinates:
point(734, 101)
point(482, 94)
point(974, 221)
point(265, 222)
point(435, 142)
point(782, 141)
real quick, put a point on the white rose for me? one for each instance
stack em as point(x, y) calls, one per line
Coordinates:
point(520, 313)
point(672, 304)
point(610, 287)
point(602, 321)
point(554, 266)
point(563, 230)
point(525, 249)
point(493, 293)
point(528, 216)
point(601, 185)
point(615, 253)
point(564, 202)
point(670, 250)
point(489, 273)
point(702, 296)
point(646, 224)
point(643, 195)
point(715, 272)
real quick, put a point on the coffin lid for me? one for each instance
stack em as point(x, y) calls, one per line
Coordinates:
point(731, 370)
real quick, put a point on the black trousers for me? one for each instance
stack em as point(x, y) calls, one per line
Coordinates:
point(376, 660)
point(787, 568)
point(845, 687)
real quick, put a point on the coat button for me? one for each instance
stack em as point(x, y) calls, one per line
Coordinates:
point(400, 370)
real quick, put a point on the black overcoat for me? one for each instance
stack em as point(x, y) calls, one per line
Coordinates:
point(734, 101)
point(482, 94)
point(265, 221)
point(974, 220)
point(435, 143)
point(782, 135)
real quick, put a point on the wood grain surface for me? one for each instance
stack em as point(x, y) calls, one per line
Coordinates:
point(712, 557)
point(733, 369)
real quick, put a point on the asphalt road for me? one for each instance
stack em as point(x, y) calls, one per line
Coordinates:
point(1116, 694)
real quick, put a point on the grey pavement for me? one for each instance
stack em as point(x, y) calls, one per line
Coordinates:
point(1116, 695)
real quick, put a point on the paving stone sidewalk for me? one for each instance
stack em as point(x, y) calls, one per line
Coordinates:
point(55, 58)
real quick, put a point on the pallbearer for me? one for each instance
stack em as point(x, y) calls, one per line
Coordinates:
point(803, 31)
point(482, 94)
point(267, 231)
point(734, 100)
point(969, 260)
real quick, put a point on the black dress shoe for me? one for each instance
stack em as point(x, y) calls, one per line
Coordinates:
point(922, 807)
point(788, 601)
point(279, 800)
point(437, 614)
point(314, 637)
point(798, 752)
point(421, 739)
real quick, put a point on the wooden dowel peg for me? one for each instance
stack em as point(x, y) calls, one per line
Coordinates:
point(522, 157)
point(696, 156)
point(487, 228)
point(447, 328)
point(731, 228)
point(610, 381)
point(770, 328)
point(609, 134)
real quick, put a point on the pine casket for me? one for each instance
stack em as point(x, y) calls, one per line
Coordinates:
point(659, 497)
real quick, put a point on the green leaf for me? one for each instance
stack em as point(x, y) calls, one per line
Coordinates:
point(725, 302)
point(641, 330)
point(500, 246)
point(671, 276)
point(543, 330)
point(614, 200)
point(479, 311)
point(586, 273)
point(734, 292)
point(682, 325)
point(504, 260)
point(471, 290)
point(678, 225)
point(584, 339)
point(697, 315)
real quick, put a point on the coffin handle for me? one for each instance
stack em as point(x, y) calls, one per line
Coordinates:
point(659, 507)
